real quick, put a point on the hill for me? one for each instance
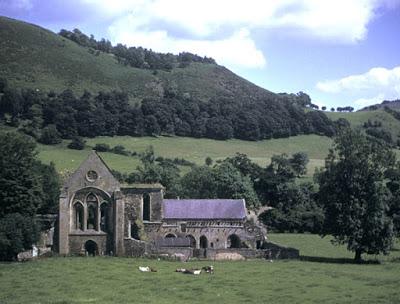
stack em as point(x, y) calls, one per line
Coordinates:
point(33, 57)
point(173, 94)
point(191, 149)
point(383, 120)
point(392, 104)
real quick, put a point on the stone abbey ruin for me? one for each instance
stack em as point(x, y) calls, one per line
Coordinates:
point(100, 216)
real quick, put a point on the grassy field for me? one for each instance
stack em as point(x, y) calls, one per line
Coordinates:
point(357, 119)
point(195, 150)
point(117, 280)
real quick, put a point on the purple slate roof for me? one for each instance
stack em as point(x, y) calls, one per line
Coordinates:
point(204, 209)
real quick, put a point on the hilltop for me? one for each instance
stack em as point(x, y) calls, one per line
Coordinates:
point(34, 57)
point(198, 98)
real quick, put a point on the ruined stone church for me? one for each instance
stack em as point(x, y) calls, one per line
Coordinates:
point(100, 216)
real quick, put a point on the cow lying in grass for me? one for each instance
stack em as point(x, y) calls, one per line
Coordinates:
point(207, 269)
point(189, 271)
point(147, 269)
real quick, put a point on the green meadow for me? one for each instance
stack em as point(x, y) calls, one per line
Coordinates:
point(192, 149)
point(331, 279)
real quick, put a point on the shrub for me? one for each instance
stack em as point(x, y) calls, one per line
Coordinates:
point(77, 143)
point(119, 149)
point(17, 233)
point(50, 135)
point(102, 147)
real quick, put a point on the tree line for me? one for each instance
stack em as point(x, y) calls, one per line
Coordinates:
point(355, 197)
point(50, 116)
point(137, 57)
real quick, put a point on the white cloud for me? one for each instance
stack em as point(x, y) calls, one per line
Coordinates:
point(376, 79)
point(223, 29)
point(363, 102)
point(236, 50)
point(340, 20)
point(365, 89)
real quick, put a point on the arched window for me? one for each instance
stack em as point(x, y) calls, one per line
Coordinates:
point(233, 241)
point(203, 242)
point(146, 207)
point(91, 201)
point(104, 217)
point(170, 235)
point(78, 217)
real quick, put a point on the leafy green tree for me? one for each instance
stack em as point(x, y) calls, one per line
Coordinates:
point(230, 183)
point(25, 188)
point(165, 172)
point(354, 195)
point(299, 163)
point(223, 181)
point(17, 233)
point(208, 161)
point(102, 147)
point(3, 84)
point(20, 185)
point(51, 184)
point(246, 167)
point(199, 182)
point(50, 135)
point(77, 143)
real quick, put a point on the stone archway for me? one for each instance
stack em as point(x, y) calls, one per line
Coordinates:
point(234, 241)
point(192, 240)
point(91, 248)
point(203, 242)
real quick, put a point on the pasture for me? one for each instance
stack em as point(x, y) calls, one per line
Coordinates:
point(117, 280)
point(192, 149)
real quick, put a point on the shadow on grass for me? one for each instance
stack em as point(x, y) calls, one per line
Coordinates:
point(336, 260)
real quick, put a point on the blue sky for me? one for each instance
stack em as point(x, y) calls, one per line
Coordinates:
point(339, 52)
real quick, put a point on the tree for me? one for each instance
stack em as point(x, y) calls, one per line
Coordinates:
point(323, 108)
point(223, 181)
point(208, 161)
point(299, 163)
point(51, 184)
point(77, 143)
point(24, 189)
point(354, 195)
point(17, 233)
point(20, 187)
point(50, 136)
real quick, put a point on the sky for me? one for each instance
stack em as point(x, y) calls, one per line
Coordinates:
point(340, 52)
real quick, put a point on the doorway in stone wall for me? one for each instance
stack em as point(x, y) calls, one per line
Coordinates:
point(203, 245)
point(91, 248)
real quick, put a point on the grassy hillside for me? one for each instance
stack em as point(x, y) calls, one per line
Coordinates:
point(195, 150)
point(357, 119)
point(33, 57)
point(117, 280)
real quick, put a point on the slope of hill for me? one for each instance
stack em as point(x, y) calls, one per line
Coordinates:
point(357, 119)
point(393, 104)
point(33, 57)
point(194, 150)
point(199, 99)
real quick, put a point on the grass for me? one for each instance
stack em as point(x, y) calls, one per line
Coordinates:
point(117, 280)
point(36, 58)
point(195, 150)
point(357, 119)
